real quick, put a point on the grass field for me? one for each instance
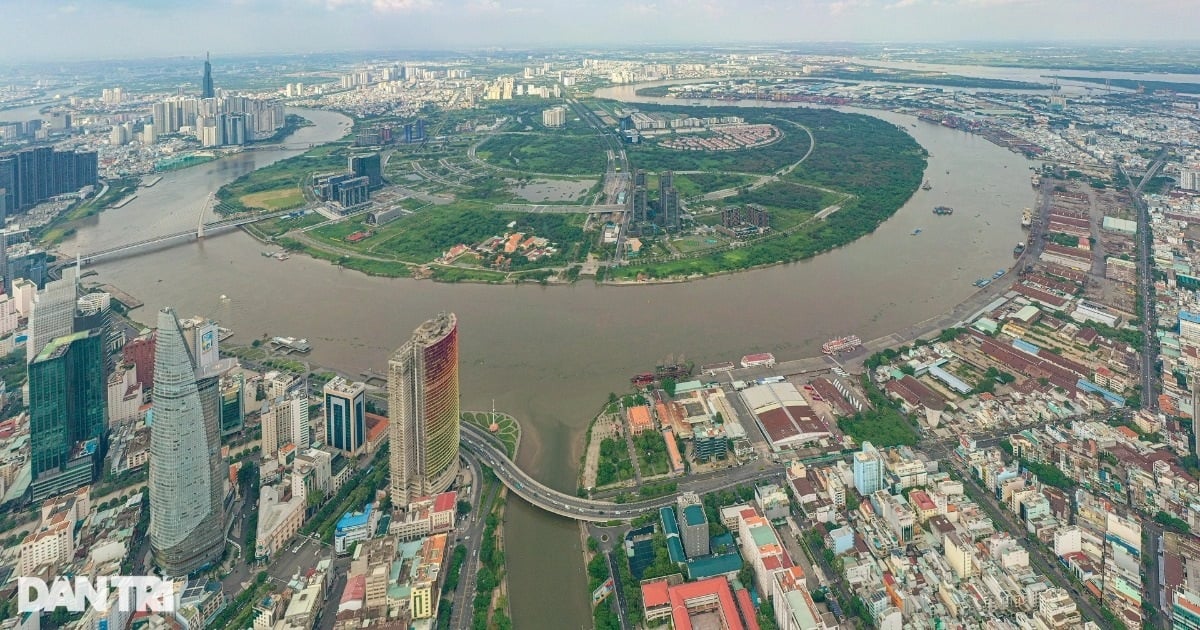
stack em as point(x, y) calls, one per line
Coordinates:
point(695, 243)
point(694, 184)
point(509, 431)
point(281, 199)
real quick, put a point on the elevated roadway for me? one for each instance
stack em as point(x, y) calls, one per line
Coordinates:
point(480, 443)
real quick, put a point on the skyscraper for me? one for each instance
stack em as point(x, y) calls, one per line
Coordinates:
point(186, 471)
point(424, 411)
point(206, 88)
point(32, 175)
point(67, 413)
point(53, 313)
point(668, 201)
point(868, 470)
point(345, 415)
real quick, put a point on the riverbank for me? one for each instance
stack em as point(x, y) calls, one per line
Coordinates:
point(812, 203)
point(115, 194)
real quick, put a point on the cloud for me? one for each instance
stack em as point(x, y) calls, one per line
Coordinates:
point(483, 6)
point(641, 8)
point(840, 6)
point(391, 6)
point(381, 6)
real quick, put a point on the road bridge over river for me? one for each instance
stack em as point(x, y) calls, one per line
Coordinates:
point(541, 496)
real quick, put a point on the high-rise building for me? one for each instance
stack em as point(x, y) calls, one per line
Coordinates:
point(639, 204)
point(424, 411)
point(140, 352)
point(233, 412)
point(868, 470)
point(345, 415)
point(33, 175)
point(286, 422)
point(53, 313)
point(186, 470)
point(68, 407)
point(554, 117)
point(1189, 177)
point(202, 337)
point(666, 180)
point(693, 524)
point(206, 87)
point(668, 205)
point(367, 165)
point(668, 201)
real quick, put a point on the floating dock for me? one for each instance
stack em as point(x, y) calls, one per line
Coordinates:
point(290, 345)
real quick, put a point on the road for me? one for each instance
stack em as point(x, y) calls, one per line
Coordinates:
point(618, 592)
point(1154, 575)
point(470, 532)
point(535, 493)
point(616, 152)
point(1145, 271)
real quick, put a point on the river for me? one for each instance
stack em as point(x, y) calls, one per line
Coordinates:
point(1035, 75)
point(551, 355)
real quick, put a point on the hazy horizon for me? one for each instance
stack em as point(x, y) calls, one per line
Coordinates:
point(62, 30)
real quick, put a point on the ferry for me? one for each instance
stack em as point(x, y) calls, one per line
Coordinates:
point(998, 274)
point(1026, 218)
point(1018, 249)
point(841, 344)
point(943, 210)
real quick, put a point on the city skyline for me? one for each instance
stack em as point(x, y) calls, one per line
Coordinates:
point(266, 26)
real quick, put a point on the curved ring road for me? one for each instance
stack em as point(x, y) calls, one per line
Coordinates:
point(535, 493)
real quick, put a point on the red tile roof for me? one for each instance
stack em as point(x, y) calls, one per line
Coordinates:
point(718, 586)
point(655, 594)
point(445, 501)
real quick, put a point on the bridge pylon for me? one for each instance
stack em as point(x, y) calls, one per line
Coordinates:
point(209, 203)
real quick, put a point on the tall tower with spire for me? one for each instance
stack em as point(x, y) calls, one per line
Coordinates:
point(206, 88)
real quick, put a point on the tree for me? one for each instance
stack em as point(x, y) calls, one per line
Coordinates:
point(668, 385)
point(463, 508)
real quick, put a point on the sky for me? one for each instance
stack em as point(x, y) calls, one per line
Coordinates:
point(105, 29)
